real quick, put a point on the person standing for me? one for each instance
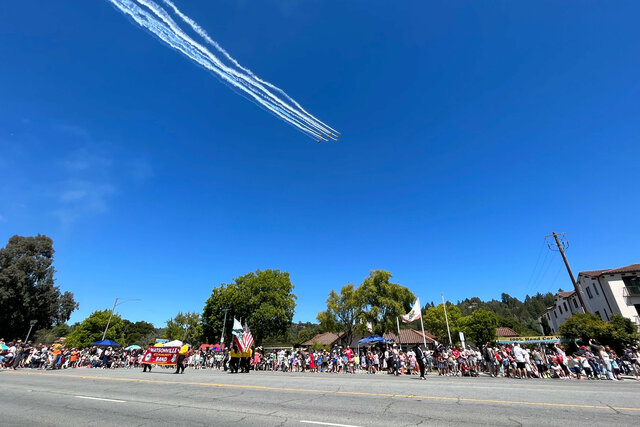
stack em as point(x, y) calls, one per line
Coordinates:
point(420, 359)
point(181, 356)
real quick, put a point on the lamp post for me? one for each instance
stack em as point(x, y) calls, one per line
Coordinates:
point(115, 304)
point(32, 323)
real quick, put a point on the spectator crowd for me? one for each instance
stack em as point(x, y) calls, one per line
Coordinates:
point(591, 361)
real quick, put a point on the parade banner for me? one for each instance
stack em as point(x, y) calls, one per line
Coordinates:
point(161, 355)
point(162, 340)
point(533, 340)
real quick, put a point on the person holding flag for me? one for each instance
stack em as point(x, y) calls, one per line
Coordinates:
point(246, 352)
point(415, 314)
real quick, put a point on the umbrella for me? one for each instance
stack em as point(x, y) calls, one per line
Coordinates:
point(133, 347)
point(3, 347)
point(106, 343)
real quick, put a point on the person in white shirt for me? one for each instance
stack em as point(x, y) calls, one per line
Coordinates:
point(518, 354)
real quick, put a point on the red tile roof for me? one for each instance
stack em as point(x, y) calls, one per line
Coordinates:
point(326, 338)
point(505, 332)
point(566, 294)
point(633, 268)
point(411, 336)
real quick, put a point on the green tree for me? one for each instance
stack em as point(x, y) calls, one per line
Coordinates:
point(382, 302)
point(92, 328)
point(342, 311)
point(140, 333)
point(263, 299)
point(434, 322)
point(620, 333)
point(480, 327)
point(48, 336)
point(27, 287)
point(583, 326)
point(185, 327)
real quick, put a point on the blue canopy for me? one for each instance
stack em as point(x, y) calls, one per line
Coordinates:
point(374, 339)
point(106, 342)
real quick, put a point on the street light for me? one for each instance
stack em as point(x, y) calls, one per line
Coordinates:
point(115, 304)
point(32, 323)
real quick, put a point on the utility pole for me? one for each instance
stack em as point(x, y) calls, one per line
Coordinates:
point(224, 324)
point(32, 323)
point(562, 245)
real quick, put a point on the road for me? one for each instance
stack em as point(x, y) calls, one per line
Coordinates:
point(130, 397)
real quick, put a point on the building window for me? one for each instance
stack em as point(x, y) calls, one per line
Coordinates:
point(598, 313)
point(589, 292)
point(575, 303)
point(560, 308)
point(555, 314)
point(605, 314)
point(565, 306)
point(595, 288)
point(632, 283)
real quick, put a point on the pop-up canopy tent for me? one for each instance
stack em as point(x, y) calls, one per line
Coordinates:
point(108, 343)
point(213, 347)
point(133, 347)
point(174, 343)
point(373, 339)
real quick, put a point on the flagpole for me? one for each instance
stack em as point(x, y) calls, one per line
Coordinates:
point(424, 339)
point(446, 318)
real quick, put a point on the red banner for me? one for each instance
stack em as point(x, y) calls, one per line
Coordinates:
point(161, 355)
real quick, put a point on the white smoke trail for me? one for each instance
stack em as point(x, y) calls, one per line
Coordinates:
point(146, 20)
point(260, 89)
point(202, 33)
point(247, 84)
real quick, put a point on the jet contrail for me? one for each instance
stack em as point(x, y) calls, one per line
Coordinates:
point(158, 21)
point(202, 33)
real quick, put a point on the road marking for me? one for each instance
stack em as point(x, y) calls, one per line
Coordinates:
point(326, 424)
point(349, 393)
point(100, 398)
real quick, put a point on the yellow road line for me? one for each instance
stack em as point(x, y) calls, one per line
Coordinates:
point(350, 393)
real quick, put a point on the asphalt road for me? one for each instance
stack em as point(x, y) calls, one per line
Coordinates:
point(130, 397)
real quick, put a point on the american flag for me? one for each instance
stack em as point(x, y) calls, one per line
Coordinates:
point(247, 338)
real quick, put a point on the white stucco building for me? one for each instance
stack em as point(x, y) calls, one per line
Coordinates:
point(604, 292)
point(566, 304)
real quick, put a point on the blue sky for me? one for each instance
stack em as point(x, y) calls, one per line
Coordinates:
point(469, 132)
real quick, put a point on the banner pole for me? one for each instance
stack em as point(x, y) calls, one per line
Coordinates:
point(399, 339)
point(424, 339)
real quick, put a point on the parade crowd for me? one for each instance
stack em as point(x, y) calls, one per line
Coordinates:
point(592, 361)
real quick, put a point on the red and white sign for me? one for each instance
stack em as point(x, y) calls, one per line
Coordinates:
point(161, 355)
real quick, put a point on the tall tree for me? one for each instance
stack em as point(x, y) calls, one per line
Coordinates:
point(382, 301)
point(263, 299)
point(342, 311)
point(141, 333)
point(185, 327)
point(435, 322)
point(92, 328)
point(480, 327)
point(27, 287)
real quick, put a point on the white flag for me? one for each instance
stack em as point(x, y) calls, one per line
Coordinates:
point(414, 314)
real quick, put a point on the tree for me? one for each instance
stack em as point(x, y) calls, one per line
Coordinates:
point(435, 322)
point(620, 333)
point(140, 333)
point(49, 336)
point(92, 328)
point(480, 327)
point(185, 327)
point(382, 302)
point(27, 287)
point(263, 299)
point(342, 311)
point(583, 326)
